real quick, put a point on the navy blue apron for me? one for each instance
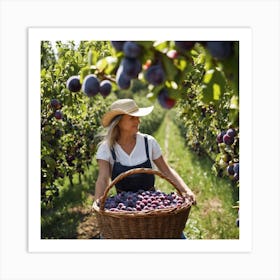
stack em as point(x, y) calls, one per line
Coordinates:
point(133, 182)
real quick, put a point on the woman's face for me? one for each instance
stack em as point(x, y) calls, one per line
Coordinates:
point(129, 124)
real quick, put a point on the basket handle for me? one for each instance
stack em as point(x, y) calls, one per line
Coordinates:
point(134, 171)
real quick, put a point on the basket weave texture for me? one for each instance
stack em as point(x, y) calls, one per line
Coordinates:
point(158, 223)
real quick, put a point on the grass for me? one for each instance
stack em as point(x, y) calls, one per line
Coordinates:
point(70, 208)
point(213, 217)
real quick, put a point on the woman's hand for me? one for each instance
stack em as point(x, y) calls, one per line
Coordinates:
point(190, 195)
point(164, 168)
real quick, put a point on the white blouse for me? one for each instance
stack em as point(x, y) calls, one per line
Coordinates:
point(138, 154)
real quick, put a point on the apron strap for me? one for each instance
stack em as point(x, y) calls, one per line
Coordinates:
point(113, 154)
point(147, 147)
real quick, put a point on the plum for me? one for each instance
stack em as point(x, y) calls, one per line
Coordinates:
point(91, 85)
point(131, 49)
point(220, 49)
point(155, 75)
point(105, 88)
point(73, 84)
point(164, 100)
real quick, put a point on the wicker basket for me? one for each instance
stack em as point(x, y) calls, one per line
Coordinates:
point(158, 223)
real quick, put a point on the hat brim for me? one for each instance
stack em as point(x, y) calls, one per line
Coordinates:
point(109, 116)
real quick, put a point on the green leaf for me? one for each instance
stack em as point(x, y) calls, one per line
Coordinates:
point(208, 76)
point(107, 64)
point(161, 46)
point(68, 100)
point(214, 85)
point(94, 56)
point(170, 69)
point(234, 102)
point(50, 161)
point(101, 64)
point(43, 73)
point(207, 94)
point(216, 91)
point(145, 44)
point(90, 57)
point(111, 64)
point(84, 72)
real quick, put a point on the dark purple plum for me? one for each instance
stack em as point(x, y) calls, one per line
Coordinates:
point(236, 176)
point(164, 100)
point(105, 88)
point(231, 132)
point(220, 49)
point(184, 45)
point(220, 136)
point(230, 170)
point(236, 168)
point(228, 140)
point(58, 115)
point(131, 49)
point(118, 45)
point(237, 222)
point(155, 75)
point(91, 85)
point(73, 84)
point(55, 104)
point(131, 67)
point(122, 80)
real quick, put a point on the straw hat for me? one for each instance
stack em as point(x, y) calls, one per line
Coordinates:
point(125, 106)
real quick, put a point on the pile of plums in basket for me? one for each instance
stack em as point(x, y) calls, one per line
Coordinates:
point(143, 201)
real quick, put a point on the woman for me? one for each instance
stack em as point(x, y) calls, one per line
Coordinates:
point(124, 148)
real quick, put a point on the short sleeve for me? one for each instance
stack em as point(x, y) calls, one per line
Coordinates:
point(156, 150)
point(104, 153)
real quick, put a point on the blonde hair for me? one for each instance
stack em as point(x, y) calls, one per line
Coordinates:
point(113, 132)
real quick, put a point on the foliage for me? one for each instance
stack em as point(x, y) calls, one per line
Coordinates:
point(213, 217)
point(70, 121)
point(209, 106)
